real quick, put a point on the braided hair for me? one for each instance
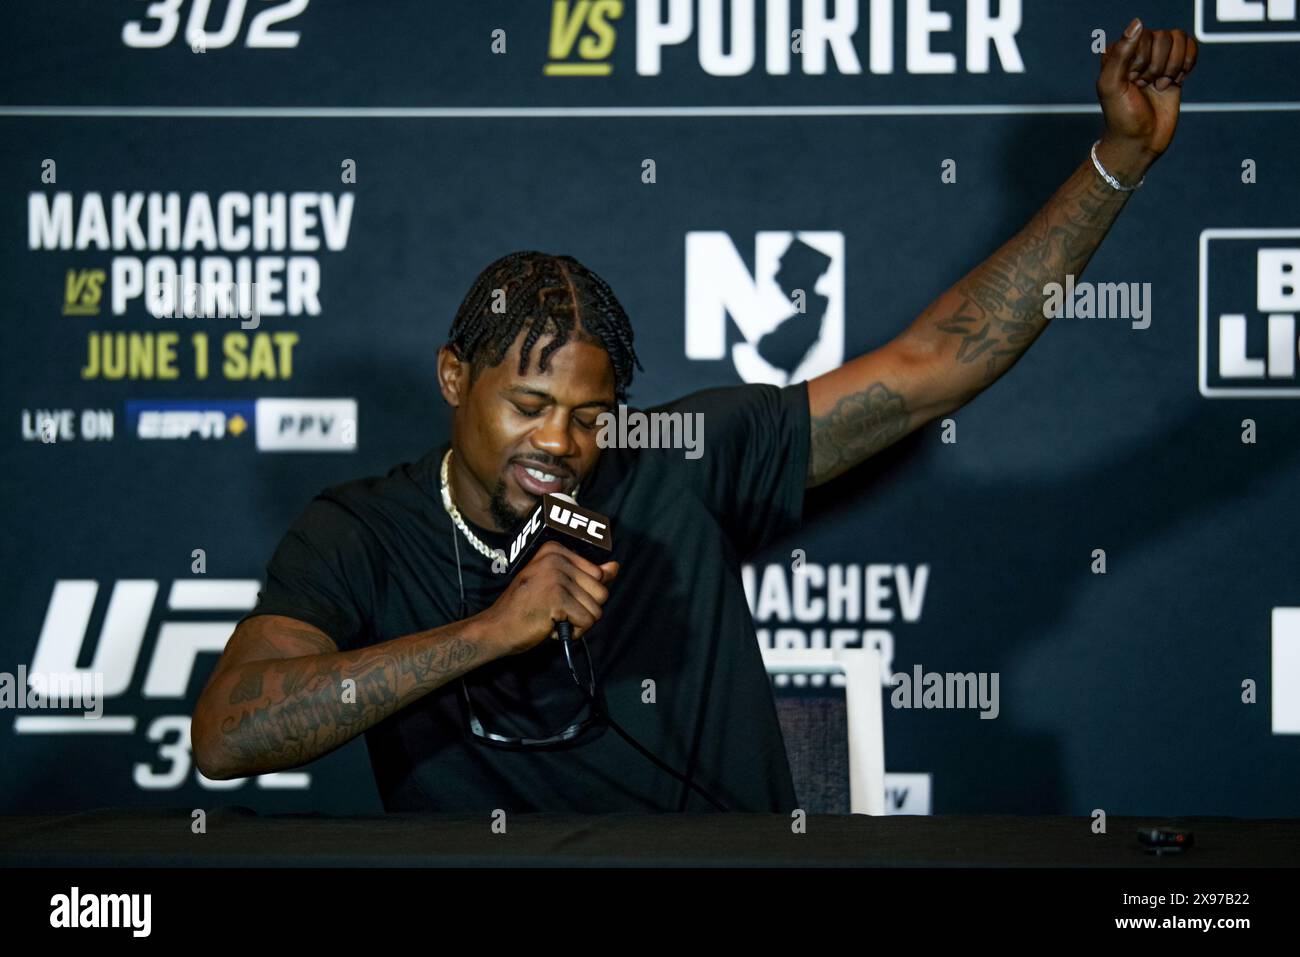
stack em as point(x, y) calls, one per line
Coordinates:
point(546, 294)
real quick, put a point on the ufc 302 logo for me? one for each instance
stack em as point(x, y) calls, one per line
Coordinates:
point(161, 22)
point(168, 675)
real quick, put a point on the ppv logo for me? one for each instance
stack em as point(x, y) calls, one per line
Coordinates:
point(789, 313)
point(594, 49)
point(82, 291)
point(1249, 297)
point(168, 676)
point(1246, 21)
point(307, 425)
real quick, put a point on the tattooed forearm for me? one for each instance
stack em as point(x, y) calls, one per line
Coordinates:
point(283, 712)
point(996, 311)
point(969, 336)
point(859, 425)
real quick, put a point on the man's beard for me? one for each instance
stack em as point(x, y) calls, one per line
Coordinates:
point(505, 517)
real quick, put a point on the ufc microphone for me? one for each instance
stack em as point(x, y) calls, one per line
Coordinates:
point(559, 518)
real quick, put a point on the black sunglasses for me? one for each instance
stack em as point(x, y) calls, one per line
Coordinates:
point(573, 731)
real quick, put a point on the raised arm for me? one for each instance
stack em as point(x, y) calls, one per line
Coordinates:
point(976, 330)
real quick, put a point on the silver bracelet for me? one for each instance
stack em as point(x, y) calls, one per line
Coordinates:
point(1107, 177)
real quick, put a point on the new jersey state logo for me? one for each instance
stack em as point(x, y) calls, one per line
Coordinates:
point(789, 312)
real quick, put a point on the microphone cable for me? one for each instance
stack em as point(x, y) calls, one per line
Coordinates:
point(565, 631)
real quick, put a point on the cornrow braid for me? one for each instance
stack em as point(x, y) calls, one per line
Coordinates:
point(548, 295)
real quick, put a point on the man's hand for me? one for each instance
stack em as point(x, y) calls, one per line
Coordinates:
point(1140, 88)
point(556, 585)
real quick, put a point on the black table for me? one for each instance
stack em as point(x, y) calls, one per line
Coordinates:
point(238, 837)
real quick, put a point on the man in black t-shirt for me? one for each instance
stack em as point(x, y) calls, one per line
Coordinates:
point(382, 612)
point(377, 565)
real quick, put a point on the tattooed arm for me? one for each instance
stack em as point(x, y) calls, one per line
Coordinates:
point(276, 699)
point(969, 336)
point(975, 331)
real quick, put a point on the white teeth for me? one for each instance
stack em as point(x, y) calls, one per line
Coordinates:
point(540, 476)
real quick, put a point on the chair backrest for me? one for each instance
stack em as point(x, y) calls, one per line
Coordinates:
point(822, 758)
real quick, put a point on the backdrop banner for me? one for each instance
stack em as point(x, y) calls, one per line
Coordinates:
point(1106, 539)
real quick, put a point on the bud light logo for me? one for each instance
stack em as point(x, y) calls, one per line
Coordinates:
point(1249, 300)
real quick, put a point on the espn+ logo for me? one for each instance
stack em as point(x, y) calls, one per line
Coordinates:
point(1249, 340)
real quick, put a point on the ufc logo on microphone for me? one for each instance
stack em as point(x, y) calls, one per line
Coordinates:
point(562, 516)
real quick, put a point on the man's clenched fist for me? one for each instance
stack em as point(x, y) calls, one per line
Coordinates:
point(1140, 88)
point(556, 585)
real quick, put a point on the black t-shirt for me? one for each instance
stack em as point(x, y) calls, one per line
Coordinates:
point(373, 559)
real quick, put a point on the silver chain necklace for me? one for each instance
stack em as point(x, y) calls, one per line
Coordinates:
point(479, 546)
